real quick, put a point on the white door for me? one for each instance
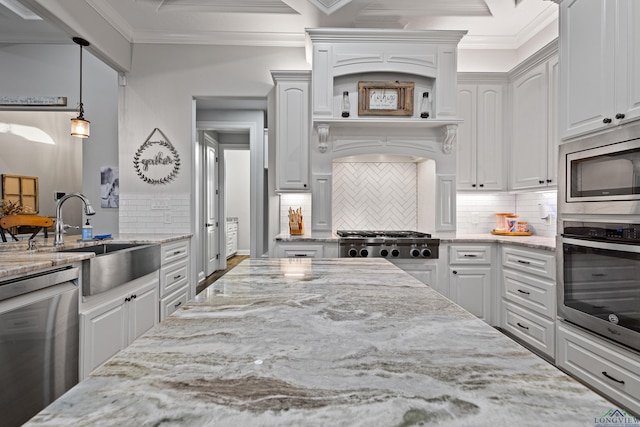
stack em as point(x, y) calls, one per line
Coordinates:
point(211, 204)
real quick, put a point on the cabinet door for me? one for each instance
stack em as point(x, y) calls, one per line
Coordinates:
point(529, 121)
point(553, 137)
point(466, 138)
point(587, 70)
point(628, 60)
point(292, 135)
point(104, 333)
point(489, 138)
point(470, 288)
point(143, 311)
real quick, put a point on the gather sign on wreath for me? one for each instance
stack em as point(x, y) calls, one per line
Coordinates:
point(157, 161)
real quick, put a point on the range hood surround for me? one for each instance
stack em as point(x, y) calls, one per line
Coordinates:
point(341, 58)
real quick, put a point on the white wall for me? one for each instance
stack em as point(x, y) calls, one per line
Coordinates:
point(53, 70)
point(159, 92)
point(237, 194)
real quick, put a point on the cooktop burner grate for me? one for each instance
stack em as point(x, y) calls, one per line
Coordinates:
point(382, 233)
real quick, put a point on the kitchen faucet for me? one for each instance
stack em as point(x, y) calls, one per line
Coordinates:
point(60, 226)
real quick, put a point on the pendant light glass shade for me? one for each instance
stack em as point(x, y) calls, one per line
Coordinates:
point(80, 128)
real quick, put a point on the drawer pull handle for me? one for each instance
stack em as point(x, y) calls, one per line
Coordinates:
point(611, 378)
point(524, 292)
point(599, 275)
point(470, 256)
point(177, 277)
point(177, 252)
point(522, 326)
point(301, 255)
point(178, 304)
point(524, 262)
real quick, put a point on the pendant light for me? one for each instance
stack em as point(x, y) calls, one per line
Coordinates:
point(80, 126)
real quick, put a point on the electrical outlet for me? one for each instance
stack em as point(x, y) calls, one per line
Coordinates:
point(167, 217)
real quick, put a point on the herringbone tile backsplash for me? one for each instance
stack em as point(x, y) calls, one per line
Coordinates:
point(374, 196)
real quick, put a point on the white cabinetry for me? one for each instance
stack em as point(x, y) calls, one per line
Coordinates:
point(109, 322)
point(174, 276)
point(470, 278)
point(600, 72)
point(425, 271)
point(534, 124)
point(607, 367)
point(480, 144)
point(232, 238)
point(529, 297)
point(306, 250)
point(292, 130)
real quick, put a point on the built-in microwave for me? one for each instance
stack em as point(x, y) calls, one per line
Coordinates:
point(601, 174)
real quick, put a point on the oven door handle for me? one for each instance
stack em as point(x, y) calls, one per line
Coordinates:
point(602, 245)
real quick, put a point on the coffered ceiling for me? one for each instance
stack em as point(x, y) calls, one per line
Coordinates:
point(491, 24)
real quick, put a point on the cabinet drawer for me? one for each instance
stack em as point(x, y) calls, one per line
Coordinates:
point(173, 276)
point(174, 251)
point(532, 329)
point(459, 254)
point(531, 292)
point(299, 251)
point(608, 367)
point(172, 302)
point(530, 261)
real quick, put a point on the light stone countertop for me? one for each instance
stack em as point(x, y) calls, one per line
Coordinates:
point(324, 342)
point(16, 259)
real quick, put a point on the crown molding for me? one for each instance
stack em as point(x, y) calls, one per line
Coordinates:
point(361, 35)
point(229, 38)
point(105, 10)
point(329, 6)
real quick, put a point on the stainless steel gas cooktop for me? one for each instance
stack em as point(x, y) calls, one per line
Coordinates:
point(390, 244)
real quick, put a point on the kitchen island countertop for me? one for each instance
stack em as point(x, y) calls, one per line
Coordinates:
point(340, 342)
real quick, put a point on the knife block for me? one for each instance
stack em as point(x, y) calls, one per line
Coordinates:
point(296, 228)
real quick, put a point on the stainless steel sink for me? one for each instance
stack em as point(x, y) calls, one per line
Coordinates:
point(116, 264)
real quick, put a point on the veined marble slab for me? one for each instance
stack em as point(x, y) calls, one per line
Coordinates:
point(339, 342)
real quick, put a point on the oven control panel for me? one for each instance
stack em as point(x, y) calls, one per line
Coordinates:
point(629, 233)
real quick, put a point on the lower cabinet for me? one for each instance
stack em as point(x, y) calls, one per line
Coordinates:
point(174, 276)
point(471, 279)
point(529, 298)
point(607, 367)
point(109, 322)
point(306, 250)
point(425, 271)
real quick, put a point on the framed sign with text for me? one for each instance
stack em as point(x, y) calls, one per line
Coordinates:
point(385, 98)
point(157, 160)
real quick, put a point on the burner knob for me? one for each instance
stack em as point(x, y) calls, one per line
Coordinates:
point(384, 252)
point(415, 252)
point(426, 252)
point(353, 252)
point(364, 252)
point(395, 252)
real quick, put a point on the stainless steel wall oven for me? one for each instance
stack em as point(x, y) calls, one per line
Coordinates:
point(599, 286)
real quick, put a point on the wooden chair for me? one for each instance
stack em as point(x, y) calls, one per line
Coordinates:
point(10, 221)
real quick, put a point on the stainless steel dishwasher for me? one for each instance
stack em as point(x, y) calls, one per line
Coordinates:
point(39, 341)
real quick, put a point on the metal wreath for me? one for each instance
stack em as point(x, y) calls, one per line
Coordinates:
point(165, 143)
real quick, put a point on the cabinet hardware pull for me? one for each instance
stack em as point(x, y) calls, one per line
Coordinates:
point(473, 185)
point(620, 116)
point(597, 306)
point(599, 274)
point(176, 252)
point(177, 277)
point(549, 181)
point(524, 262)
point(127, 299)
point(522, 326)
point(470, 256)
point(134, 296)
point(611, 378)
point(524, 292)
point(606, 120)
point(178, 304)
point(481, 185)
point(300, 255)
point(541, 181)
point(454, 272)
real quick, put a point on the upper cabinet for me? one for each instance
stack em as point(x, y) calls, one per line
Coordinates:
point(600, 70)
point(292, 130)
point(480, 143)
point(533, 122)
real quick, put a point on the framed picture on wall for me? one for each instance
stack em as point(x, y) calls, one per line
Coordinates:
point(109, 187)
point(385, 98)
point(22, 191)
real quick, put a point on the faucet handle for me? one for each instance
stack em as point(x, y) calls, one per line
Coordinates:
point(65, 227)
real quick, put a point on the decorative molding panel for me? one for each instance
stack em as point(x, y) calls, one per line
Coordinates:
point(375, 196)
point(329, 6)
